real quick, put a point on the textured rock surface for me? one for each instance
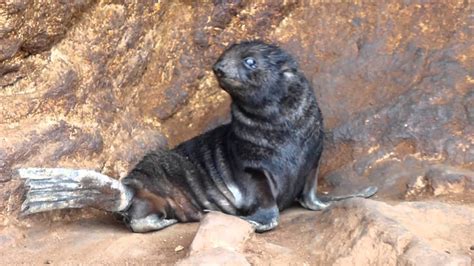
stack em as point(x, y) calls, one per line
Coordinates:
point(96, 84)
point(366, 232)
point(216, 256)
point(220, 240)
point(352, 232)
point(361, 232)
point(218, 230)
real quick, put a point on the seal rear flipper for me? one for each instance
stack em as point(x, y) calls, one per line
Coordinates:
point(364, 193)
point(61, 188)
point(149, 223)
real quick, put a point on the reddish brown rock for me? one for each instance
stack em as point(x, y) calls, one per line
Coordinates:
point(393, 83)
point(443, 182)
point(216, 256)
point(218, 230)
point(97, 84)
point(367, 232)
point(220, 240)
point(361, 231)
point(350, 232)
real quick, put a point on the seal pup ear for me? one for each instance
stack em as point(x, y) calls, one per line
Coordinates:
point(289, 67)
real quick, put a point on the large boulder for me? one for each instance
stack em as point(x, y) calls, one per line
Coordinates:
point(96, 84)
point(352, 232)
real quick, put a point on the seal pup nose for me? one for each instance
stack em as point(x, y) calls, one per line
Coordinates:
point(218, 69)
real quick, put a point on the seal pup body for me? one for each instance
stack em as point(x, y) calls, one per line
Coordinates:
point(257, 165)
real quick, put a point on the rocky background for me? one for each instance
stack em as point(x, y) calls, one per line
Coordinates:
point(96, 84)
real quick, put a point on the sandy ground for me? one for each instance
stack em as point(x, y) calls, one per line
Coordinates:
point(100, 239)
point(93, 237)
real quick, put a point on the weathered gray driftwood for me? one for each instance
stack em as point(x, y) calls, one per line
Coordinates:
point(61, 188)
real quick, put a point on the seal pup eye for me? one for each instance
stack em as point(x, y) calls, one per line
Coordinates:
point(250, 63)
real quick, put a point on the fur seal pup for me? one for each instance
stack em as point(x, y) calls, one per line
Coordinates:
point(253, 167)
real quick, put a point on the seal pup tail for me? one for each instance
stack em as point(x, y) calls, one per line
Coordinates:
point(61, 188)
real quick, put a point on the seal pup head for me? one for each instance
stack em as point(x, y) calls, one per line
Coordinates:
point(253, 72)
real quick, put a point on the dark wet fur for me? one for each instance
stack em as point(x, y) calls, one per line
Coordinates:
point(267, 152)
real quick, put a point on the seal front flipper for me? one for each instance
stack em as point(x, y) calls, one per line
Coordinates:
point(308, 198)
point(310, 201)
point(264, 214)
point(264, 219)
point(61, 188)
